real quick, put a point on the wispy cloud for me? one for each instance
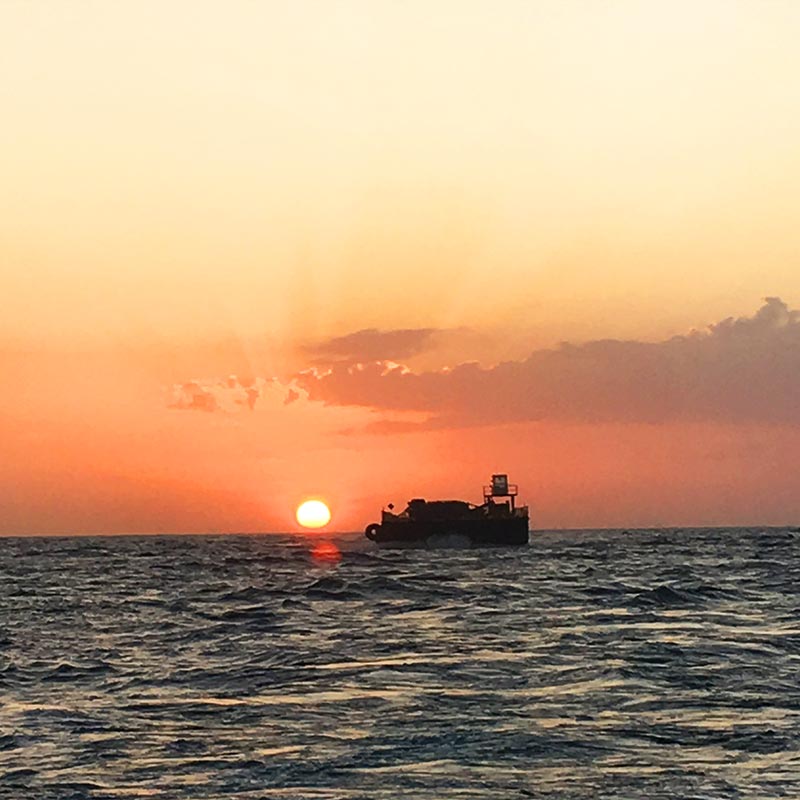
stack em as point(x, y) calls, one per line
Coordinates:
point(371, 344)
point(228, 395)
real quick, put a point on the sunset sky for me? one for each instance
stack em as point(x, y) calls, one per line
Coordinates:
point(256, 252)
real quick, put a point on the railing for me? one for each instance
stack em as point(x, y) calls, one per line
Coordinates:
point(512, 490)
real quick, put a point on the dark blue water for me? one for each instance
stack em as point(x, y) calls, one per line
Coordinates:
point(608, 664)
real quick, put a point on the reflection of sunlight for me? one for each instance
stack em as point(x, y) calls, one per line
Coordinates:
point(326, 551)
point(279, 751)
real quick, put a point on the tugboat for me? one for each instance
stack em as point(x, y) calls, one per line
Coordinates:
point(498, 521)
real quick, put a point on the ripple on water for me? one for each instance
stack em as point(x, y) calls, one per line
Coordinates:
point(602, 664)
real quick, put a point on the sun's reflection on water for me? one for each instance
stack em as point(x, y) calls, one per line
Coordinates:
point(326, 552)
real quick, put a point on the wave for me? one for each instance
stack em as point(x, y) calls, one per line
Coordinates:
point(594, 664)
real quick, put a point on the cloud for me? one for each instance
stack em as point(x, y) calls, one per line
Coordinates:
point(737, 370)
point(228, 395)
point(371, 344)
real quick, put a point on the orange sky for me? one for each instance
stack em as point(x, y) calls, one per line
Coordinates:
point(197, 190)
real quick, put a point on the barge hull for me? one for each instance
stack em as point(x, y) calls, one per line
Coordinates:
point(479, 532)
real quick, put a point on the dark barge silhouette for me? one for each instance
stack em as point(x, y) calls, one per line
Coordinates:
point(497, 522)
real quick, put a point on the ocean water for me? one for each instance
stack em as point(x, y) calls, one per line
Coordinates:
point(601, 664)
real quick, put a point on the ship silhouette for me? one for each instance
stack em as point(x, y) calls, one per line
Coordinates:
point(498, 521)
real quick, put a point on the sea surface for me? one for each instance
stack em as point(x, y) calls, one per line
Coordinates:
point(593, 664)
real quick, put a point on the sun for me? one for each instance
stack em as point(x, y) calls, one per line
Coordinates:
point(313, 514)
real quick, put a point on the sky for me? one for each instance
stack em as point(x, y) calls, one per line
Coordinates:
point(256, 252)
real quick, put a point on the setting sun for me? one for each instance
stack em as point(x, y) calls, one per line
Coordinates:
point(313, 514)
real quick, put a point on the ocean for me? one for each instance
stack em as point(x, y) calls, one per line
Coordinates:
point(592, 664)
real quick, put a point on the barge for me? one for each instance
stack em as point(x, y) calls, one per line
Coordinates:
point(498, 521)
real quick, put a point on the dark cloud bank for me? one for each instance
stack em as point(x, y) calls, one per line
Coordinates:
point(744, 370)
